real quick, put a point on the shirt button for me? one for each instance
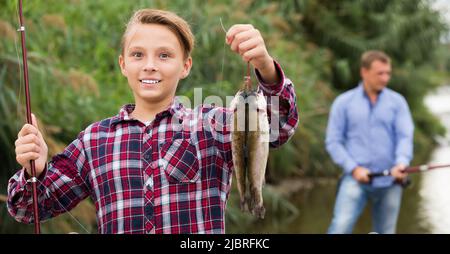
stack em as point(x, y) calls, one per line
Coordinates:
point(148, 156)
point(149, 183)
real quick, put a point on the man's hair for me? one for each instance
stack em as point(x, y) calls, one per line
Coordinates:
point(370, 56)
point(166, 18)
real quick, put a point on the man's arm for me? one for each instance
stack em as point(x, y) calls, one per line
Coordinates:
point(335, 137)
point(404, 134)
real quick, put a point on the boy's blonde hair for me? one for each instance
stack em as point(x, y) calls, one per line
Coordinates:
point(166, 18)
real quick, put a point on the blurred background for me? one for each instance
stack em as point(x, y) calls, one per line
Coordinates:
point(73, 47)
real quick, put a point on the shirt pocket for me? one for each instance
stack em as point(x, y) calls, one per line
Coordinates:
point(179, 161)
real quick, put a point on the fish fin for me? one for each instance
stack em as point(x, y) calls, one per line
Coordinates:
point(259, 211)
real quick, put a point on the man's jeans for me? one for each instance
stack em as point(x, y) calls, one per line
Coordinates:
point(350, 202)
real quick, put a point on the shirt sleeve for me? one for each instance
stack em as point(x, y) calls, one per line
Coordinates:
point(61, 186)
point(335, 138)
point(404, 133)
point(281, 107)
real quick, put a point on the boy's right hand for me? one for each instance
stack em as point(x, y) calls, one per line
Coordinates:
point(30, 145)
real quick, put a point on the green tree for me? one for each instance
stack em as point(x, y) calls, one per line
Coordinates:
point(409, 31)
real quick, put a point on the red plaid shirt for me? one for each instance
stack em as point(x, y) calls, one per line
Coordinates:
point(171, 176)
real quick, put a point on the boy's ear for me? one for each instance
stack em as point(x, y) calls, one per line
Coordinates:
point(186, 68)
point(122, 65)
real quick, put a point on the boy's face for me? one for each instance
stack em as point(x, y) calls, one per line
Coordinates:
point(153, 62)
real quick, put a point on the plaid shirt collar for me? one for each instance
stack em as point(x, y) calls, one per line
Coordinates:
point(175, 109)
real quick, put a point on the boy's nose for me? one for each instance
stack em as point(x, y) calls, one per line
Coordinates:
point(150, 66)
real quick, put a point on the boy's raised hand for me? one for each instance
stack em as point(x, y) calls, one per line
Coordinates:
point(30, 145)
point(248, 42)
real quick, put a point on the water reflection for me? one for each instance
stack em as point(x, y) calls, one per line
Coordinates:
point(435, 186)
point(435, 199)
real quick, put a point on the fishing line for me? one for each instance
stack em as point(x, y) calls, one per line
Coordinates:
point(247, 73)
point(67, 211)
point(223, 56)
point(18, 91)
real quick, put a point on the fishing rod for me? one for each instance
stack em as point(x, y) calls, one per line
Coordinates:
point(33, 179)
point(412, 169)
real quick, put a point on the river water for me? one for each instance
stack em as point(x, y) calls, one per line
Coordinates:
point(425, 204)
point(434, 193)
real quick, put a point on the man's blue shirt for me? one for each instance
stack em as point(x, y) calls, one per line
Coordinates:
point(375, 136)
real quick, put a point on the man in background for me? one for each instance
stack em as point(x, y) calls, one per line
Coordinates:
point(370, 129)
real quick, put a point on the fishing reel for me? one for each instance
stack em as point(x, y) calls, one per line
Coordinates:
point(405, 183)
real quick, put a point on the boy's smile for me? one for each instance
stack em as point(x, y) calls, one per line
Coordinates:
point(153, 62)
point(150, 81)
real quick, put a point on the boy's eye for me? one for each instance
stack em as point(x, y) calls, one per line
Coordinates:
point(136, 54)
point(163, 55)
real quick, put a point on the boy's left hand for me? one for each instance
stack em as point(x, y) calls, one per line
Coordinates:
point(247, 41)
